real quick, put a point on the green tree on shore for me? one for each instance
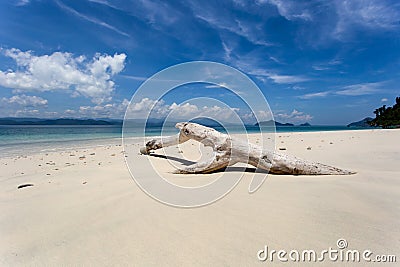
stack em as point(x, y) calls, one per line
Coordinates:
point(387, 117)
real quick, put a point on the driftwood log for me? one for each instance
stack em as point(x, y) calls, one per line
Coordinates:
point(229, 151)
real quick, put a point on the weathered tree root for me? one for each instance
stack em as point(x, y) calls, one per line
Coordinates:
point(229, 151)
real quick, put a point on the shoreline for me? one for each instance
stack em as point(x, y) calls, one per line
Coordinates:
point(59, 145)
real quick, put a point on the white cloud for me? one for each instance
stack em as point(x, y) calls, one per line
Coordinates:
point(329, 65)
point(62, 71)
point(22, 2)
point(264, 115)
point(290, 10)
point(294, 117)
point(320, 68)
point(315, 95)
point(227, 21)
point(223, 114)
point(337, 20)
point(114, 110)
point(144, 105)
point(184, 111)
point(24, 106)
point(251, 66)
point(276, 60)
point(384, 100)
point(221, 85)
point(90, 19)
point(287, 78)
point(228, 51)
point(240, 28)
point(135, 78)
point(24, 101)
point(158, 12)
point(360, 89)
point(26, 112)
point(29, 112)
point(158, 108)
point(371, 14)
point(349, 90)
point(69, 112)
point(103, 2)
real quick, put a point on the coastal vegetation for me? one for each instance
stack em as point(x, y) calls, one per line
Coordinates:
point(387, 117)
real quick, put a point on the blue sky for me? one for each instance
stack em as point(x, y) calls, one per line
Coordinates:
point(325, 62)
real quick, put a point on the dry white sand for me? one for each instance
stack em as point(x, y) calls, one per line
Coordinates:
point(85, 209)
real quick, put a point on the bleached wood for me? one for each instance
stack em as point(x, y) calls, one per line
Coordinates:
point(229, 151)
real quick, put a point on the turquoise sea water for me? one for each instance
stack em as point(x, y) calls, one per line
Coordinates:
point(16, 140)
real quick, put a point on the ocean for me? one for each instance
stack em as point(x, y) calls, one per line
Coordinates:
point(18, 140)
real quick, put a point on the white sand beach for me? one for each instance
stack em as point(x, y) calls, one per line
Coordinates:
point(84, 209)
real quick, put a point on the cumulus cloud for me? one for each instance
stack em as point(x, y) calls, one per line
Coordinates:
point(26, 112)
point(156, 108)
point(114, 110)
point(262, 115)
point(294, 117)
point(91, 78)
point(183, 111)
point(24, 106)
point(24, 101)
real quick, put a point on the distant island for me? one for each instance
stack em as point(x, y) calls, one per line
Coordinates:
point(152, 122)
point(362, 123)
point(272, 122)
point(36, 121)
